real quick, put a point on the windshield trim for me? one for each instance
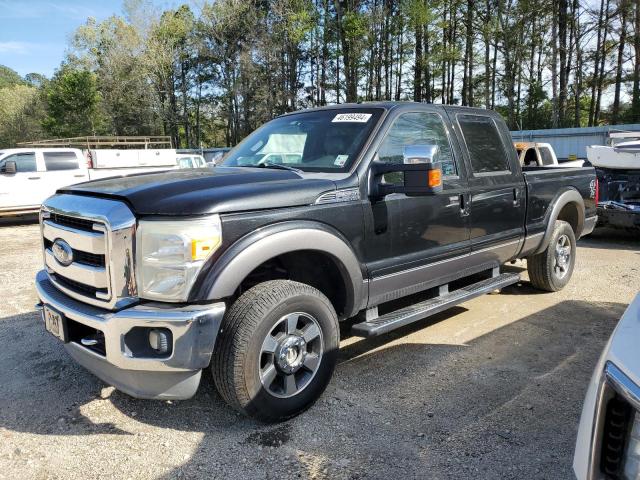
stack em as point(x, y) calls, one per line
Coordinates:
point(351, 166)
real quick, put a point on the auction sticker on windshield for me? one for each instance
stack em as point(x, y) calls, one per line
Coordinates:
point(352, 117)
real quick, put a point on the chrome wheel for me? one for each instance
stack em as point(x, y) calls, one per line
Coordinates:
point(290, 355)
point(562, 260)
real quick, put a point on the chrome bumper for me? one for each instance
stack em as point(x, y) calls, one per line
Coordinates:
point(194, 329)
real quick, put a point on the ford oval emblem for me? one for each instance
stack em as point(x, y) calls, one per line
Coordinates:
point(62, 252)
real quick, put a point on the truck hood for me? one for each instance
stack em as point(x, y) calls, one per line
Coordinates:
point(208, 190)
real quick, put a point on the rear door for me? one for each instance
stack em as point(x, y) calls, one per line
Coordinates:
point(62, 168)
point(496, 187)
point(22, 189)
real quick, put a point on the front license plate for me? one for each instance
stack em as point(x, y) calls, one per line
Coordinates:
point(55, 323)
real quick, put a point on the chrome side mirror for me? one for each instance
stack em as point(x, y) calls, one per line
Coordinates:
point(416, 154)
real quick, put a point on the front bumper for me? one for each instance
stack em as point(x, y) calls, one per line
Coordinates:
point(122, 363)
point(617, 375)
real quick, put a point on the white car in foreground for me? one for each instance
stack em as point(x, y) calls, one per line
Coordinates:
point(608, 444)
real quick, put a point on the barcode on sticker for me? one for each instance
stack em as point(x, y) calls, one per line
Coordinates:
point(352, 117)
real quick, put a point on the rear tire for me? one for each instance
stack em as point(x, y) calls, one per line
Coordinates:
point(551, 269)
point(277, 350)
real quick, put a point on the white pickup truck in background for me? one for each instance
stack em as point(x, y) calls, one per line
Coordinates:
point(30, 175)
point(537, 154)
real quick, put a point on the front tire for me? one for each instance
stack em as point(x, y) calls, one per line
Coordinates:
point(551, 269)
point(277, 350)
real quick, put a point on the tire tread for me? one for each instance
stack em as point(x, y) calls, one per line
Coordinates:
point(240, 323)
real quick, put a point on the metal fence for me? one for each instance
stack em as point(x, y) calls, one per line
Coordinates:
point(573, 141)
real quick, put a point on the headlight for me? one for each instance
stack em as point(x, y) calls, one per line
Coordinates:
point(170, 253)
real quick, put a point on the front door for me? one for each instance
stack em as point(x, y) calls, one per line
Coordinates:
point(21, 189)
point(406, 237)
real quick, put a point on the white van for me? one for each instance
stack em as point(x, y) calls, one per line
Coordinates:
point(30, 175)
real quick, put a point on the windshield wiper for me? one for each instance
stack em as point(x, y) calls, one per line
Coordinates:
point(278, 166)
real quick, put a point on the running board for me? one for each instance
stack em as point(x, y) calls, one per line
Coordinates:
point(419, 311)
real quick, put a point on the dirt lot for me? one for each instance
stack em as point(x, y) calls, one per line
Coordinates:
point(491, 389)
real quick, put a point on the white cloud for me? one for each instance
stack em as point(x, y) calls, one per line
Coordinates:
point(43, 9)
point(16, 48)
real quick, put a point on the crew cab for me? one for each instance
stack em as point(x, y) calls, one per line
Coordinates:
point(388, 213)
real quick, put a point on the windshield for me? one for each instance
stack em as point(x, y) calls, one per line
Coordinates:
point(323, 141)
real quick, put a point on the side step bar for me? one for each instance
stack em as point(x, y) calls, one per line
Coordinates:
point(419, 311)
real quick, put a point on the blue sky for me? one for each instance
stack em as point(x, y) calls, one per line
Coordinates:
point(34, 34)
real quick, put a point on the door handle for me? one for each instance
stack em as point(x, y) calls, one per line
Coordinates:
point(516, 197)
point(34, 178)
point(79, 176)
point(464, 205)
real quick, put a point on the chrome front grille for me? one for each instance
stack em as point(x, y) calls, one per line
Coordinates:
point(100, 234)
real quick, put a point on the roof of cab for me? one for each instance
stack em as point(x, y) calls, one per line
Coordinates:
point(38, 149)
point(393, 105)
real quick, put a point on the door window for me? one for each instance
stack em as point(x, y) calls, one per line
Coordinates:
point(61, 161)
point(545, 154)
point(25, 162)
point(416, 128)
point(184, 162)
point(484, 144)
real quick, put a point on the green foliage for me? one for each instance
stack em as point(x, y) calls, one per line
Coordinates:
point(73, 104)
point(21, 110)
point(9, 77)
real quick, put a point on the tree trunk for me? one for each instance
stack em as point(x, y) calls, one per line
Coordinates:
point(623, 7)
point(579, 65)
point(635, 103)
point(596, 115)
point(554, 63)
point(418, 67)
point(428, 90)
point(470, 38)
point(487, 57)
point(562, 32)
point(596, 63)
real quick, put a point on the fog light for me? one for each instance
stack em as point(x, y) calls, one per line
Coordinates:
point(159, 340)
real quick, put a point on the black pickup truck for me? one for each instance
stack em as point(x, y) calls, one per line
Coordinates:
point(381, 214)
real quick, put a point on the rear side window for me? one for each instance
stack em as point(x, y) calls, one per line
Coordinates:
point(60, 161)
point(484, 144)
point(545, 155)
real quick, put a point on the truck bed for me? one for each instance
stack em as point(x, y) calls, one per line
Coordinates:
point(545, 184)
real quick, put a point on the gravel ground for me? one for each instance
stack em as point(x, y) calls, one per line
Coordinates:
point(490, 389)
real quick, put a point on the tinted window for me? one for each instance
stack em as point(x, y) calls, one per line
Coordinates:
point(60, 161)
point(484, 144)
point(418, 128)
point(25, 162)
point(545, 154)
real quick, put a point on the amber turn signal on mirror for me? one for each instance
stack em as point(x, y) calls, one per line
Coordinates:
point(435, 178)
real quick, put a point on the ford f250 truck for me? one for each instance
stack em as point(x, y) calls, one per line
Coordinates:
point(381, 214)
